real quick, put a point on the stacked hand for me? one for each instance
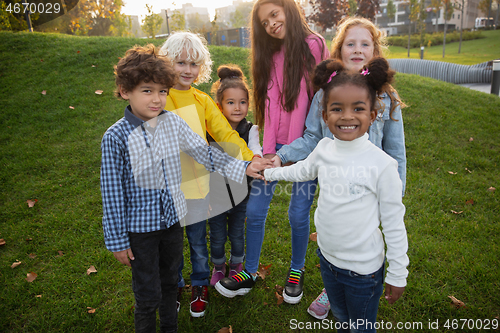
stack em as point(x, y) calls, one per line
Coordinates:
point(257, 165)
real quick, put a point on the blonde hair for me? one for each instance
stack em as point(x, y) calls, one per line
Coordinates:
point(196, 48)
point(379, 39)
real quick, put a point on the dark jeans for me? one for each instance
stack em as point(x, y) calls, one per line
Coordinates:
point(232, 224)
point(154, 277)
point(354, 298)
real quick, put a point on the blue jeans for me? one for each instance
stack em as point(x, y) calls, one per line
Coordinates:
point(196, 233)
point(298, 213)
point(154, 278)
point(232, 224)
point(354, 298)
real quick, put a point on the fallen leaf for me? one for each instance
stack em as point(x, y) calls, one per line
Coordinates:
point(98, 92)
point(29, 239)
point(32, 255)
point(492, 189)
point(454, 212)
point(452, 173)
point(469, 202)
point(318, 265)
point(226, 330)
point(31, 203)
point(30, 277)
point(71, 107)
point(15, 264)
point(2, 242)
point(90, 310)
point(77, 51)
point(94, 65)
point(263, 271)
point(41, 60)
point(468, 170)
point(265, 303)
point(313, 236)
point(279, 297)
point(38, 296)
point(91, 270)
point(456, 303)
point(279, 289)
point(61, 253)
point(44, 92)
point(471, 139)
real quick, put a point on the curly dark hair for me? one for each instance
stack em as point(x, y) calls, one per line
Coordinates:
point(375, 77)
point(143, 63)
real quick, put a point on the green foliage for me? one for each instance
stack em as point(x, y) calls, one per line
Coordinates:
point(51, 153)
point(434, 38)
point(151, 23)
point(178, 22)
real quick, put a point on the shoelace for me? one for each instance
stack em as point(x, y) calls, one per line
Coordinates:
point(241, 276)
point(294, 276)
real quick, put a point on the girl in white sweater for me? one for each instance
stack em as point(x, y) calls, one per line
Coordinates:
point(360, 190)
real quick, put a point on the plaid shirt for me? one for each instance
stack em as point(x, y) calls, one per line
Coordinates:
point(141, 174)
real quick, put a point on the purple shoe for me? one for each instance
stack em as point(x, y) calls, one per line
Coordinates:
point(235, 269)
point(320, 307)
point(218, 275)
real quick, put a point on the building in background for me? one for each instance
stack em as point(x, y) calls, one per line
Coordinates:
point(400, 23)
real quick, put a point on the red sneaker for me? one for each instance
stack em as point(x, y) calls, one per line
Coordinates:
point(199, 301)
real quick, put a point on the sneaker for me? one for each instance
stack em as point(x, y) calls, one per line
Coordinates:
point(218, 274)
point(320, 306)
point(199, 301)
point(293, 286)
point(239, 284)
point(179, 295)
point(235, 269)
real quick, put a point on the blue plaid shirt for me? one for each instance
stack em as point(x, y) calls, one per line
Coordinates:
point(141, 174)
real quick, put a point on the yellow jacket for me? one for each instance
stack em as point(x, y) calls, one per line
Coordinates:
point(202, 115)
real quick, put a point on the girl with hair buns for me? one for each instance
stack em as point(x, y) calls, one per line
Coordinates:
point(357, 41)
point(360, 187)
point(231, 94)
point(284, 52)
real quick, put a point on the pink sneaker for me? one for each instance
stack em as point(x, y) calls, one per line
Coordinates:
point(320, 306)
point(235, 269)
point(218, 275)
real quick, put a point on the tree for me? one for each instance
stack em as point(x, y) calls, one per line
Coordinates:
point(461, 4)
point(413, 14)
point(195, 23)
point(178, 21)
point(448, 11)
point(151, 23)
point(421, 21)
point(93, 17)
point(237, 19)
point(241, 17)
point(353, 7)
point(368, 8)
point(391, 10)
point(436, 4)
point(327, 13)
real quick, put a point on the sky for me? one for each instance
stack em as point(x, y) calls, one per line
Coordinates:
point(138, 7)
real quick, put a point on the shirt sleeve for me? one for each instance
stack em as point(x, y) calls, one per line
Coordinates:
point(219, 129)
point(301, 147)
point(393, 142)
point(254, 141)
point(113, 201)
point(214, 160)
point(299, 172)
point(392, 213)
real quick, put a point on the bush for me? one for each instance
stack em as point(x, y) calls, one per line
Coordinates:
point(432, 39)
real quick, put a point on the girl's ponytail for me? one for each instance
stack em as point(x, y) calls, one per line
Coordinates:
point(325, 72)
point(230, 76)
point(378, 73)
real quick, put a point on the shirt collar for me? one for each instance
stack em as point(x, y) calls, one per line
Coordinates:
point(133, 119)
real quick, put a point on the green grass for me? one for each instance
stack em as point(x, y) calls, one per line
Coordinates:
point(472, 52)
point(51, 153)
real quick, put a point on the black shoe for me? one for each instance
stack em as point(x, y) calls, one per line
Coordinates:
point(239, 284)
point(293, 286)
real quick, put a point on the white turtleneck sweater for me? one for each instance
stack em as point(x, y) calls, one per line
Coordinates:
point(360, 190)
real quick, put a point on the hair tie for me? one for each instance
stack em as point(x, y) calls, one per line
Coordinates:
point(365, 72)
point(331, 77)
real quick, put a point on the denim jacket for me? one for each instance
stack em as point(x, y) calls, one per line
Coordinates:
point(385, 133)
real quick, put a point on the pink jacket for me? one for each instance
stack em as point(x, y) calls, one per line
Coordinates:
point(281, 126)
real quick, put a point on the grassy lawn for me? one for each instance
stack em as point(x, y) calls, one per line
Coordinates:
point(50, 152)
point(472, 52)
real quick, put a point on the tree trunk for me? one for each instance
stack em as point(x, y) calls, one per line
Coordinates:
point(409, 36)
point(444, 36)
point(437, 20)
point(461, 26)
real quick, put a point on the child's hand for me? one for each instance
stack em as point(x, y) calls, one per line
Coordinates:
point(392, 293)
point(123, 256)
point(256, 166)
point(276, 161)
